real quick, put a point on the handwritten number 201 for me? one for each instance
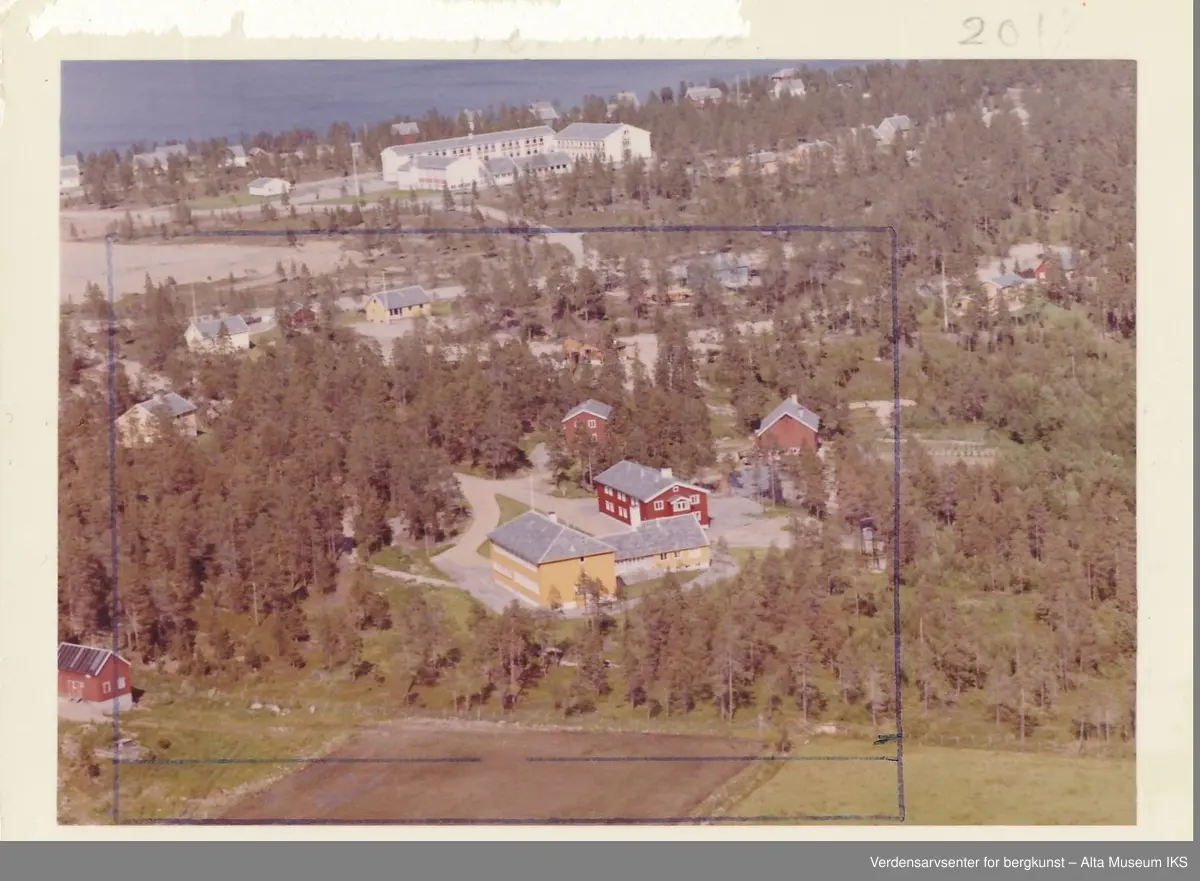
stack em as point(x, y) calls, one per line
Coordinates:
point(1006, 33)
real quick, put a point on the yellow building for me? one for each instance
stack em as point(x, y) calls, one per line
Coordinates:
point(660, 546)
point(542, 559)
point(407, 302)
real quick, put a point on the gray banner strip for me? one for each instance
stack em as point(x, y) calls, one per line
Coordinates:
point(603, 861)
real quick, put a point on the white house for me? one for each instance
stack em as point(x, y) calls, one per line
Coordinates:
point(618, 141)
point(887, 130)
point(703, 95)
point(69, 177)
point(488, 145)
point(204, 334)
point(234, 157)
point(787, 82)
point(436, 172)
point(544, 111)
point(406, 129)
point(269, 186)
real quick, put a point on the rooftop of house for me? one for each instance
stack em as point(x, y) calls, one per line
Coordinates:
point(521, 134)
point(401, 298)
point(591, 405)
point(702, 92)
point(210, 328)
point(786, 73)
point(263, 181)
point(791, 407)
point(539, 538)
point(542, 160)
point(160, 154)
point(171, 404)
point(640, 482)
point(899, 122)
point(589, 131)
point(663, 536)
point(435, 162)
point(88, 660)
point(500, 165)
point(1007, 280)
point(237, 150)
point(405, 128)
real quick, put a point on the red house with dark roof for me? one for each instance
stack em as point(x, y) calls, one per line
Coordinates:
point(586, 419)
point(634, 493)
point(94, 675)
point(788, 428)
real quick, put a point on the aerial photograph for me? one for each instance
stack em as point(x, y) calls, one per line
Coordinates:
point(601, 442)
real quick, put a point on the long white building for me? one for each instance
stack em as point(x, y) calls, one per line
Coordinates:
point(493, 158)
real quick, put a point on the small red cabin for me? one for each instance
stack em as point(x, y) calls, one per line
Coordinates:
point(788, 428)
point(93, 675)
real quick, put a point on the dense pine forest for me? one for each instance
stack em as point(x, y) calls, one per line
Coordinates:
point(1018, 578)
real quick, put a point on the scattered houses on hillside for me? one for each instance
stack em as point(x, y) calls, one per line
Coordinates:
point(788, 428)
point(588, 419)
point(577, 351)
point(220, 334)
point(634, 493)
point(660, 546)
point(392, 305)
point(542, 559)
point(140, 423)
point(94, 675)
point(269, 186)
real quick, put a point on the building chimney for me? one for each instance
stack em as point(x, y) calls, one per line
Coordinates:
point(551, 516)
point(794, 400)
point(666, 472)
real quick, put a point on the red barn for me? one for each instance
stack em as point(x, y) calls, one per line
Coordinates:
point(588, 418)
point(407, 132)
point(95, 675)
point(634, 493)
point(788, 428)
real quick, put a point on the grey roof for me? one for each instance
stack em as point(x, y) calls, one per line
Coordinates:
point(638, 481)
point(591, 405)
point(500, 165)
point(210, 328)
point(786, 73)
point(440, 162)
point(405, 128)
point(1007, 280)
point(535, 538)
point(544, 110)
point(797, 411)
point(82, 658)
point(899, 123)
point(540, 131)
point(539, 161)
point(400, 298)
point(703, 92)
point(237, 150)
point(662, 536)
point(174, 405)
point(160, 155)
point(589, 131)
point(261, 181)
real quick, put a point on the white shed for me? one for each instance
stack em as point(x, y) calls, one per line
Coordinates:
point(269, 186)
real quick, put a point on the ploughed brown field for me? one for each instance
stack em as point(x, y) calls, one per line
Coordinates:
point(507, 782)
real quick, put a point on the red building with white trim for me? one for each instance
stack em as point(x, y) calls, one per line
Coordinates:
point(589, 418)
point(93, 675)
point(788, 428)
point(633, 494)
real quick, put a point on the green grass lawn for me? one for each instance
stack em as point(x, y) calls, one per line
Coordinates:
point(350, 316)
point(509, 509)
point(416, 561)
point(949, 786)
point(644, 587)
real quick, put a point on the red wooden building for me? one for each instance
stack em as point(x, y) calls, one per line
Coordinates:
point(634, 493)
point(586, 419)
point(788, 428)
point(94, 675)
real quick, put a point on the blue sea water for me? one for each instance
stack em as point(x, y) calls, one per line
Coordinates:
point(113, 104)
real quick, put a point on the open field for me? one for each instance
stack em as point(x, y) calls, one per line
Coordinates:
point(949, 786)
point(83, 262)
point(490, 772)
